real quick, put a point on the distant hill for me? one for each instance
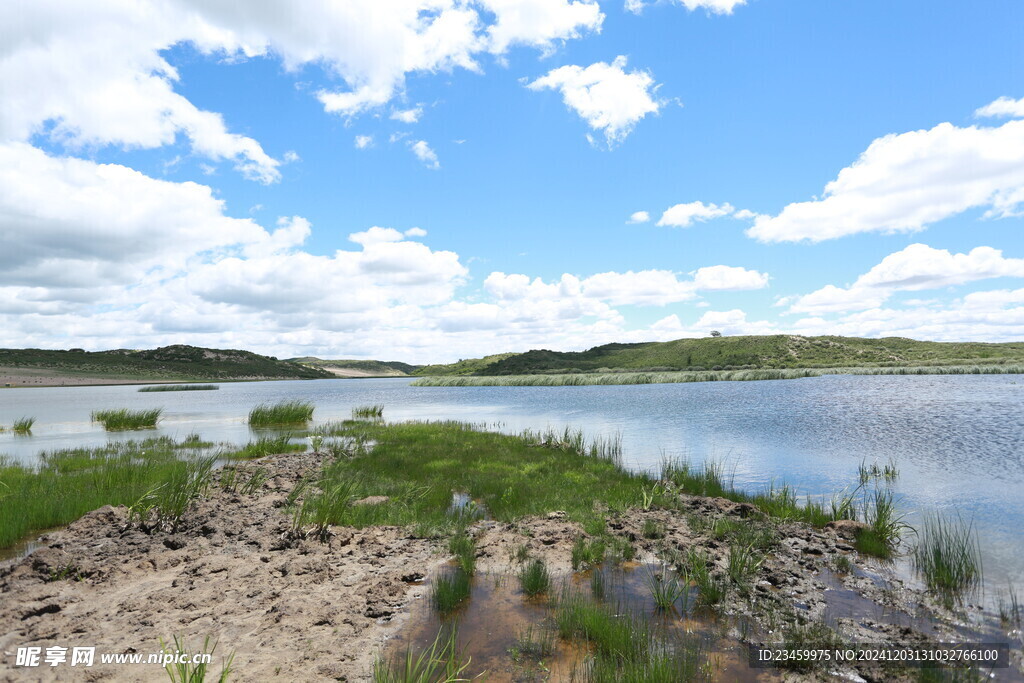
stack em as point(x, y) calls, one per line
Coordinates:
point(178, 362)
point(358, 368)
point(717, 353)
point(471, 366)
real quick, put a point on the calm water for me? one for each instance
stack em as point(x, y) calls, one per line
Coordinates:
point(957, 440)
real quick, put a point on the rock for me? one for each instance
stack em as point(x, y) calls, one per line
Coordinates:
point(847, 528)
point(371, 500)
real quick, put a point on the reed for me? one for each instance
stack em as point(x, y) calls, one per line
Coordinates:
point(666, 588)
point(23, 425)
point(123, 418)
point(179, 387)
point(374, 412)
point(442, 662)
point(450, 590)
point(264, 446)
point(534, 578)
point(164, 505)
point(948, 558)
point(281, 414)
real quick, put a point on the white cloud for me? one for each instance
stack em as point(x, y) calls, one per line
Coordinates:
point(364, 141)
point(407, 115)
point(639, 217)
point(712, 6)
point(540, 23)
point(640, 288)
point(917, 267)
point(685, 215)
point(608, 98)
point(376, 235)
point(903, 183)
point(1004, 107)
point(425, 154)
point(415, 232)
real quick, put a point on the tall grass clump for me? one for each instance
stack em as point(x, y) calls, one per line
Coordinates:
point(587, 553)
point(23, 425)
point(164, 505)
point(373, 412)
point(948, 558)
point(283, 413)
point(185, 669)
point(463, 547)
point(885, 525)
point(450, 590)
point(666, 588)
point(264, 446)
point(65, 484)
point(123, 418)
point(442, 662)
point(534, 578)
point(179, 387)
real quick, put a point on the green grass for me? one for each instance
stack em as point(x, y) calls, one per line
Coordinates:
point(587, 553)
point(442, 662)
point(886, 525)
point(948, 558)
point(164, 505)
point(534, 643)
point(68, 483)
point(374, 412)
point(748, 375)
point(711, 589)
point(666, 588)
point(23, 425)
point(534, 578)
point(419, 465)
point(652, 530)
point(463, 547)
point(281, 414)
point(180, 387)
point(242, 480)
point(264, 446)
point(744, 563)
point(123, 418)
point(188, 672)
point(450, 590)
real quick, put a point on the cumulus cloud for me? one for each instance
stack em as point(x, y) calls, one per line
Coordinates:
point(407, 115)
point(917, 267)
point(1004, 107)
point(905, 182)
point(425, 154)
point(539, 23)
point(639, 217)
point(606, 96)
point(364, 141)
point(712, 6)
point(685, 215)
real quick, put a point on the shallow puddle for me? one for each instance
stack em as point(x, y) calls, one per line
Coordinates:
point(492, 621)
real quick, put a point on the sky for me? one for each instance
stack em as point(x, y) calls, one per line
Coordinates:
point(431, 180)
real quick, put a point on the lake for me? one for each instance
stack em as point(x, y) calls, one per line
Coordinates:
point(958, 440)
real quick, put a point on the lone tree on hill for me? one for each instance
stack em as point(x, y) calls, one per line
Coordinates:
point(716, 333)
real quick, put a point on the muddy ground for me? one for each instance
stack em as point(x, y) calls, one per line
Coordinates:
point(302, 609)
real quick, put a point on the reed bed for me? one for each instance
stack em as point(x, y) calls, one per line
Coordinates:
point(122, 418)
point(264, 446)
point(609, 378)
point(179, 387)
point(23, 425)
point(70, 482)
point(281, 414)
point(373, 412)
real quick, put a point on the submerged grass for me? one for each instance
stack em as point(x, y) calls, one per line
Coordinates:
point(179, 387)
point(534, 578)
point(450, 590)
point(608, 378)
point(123, 418)
point(280, 414)
point(23, 425)
point(948, 558)
point(68, 483)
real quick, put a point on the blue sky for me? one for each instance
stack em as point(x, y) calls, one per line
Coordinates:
point(435, 180)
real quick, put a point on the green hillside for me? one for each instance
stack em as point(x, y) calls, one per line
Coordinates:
point(370, 368)
point(717, 353)
point(179, 362)
point(470, 366)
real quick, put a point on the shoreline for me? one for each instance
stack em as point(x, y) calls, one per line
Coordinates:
point(309, 608)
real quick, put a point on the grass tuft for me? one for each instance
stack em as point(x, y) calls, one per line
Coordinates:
point(280, 414)
point(463, 547)
point(587, 553)
point(188, 671)
point(450, 590)
point(123, 418)
point(374, 412)
point(666, 588)
point(534, 578)
point(264, 446)
point(442, 662)
point(23, 425)
point(948, 558)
